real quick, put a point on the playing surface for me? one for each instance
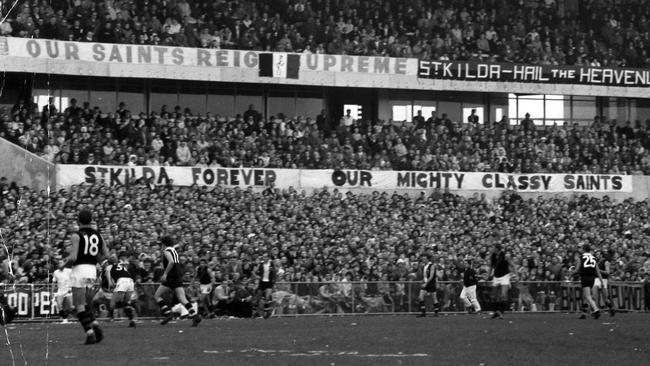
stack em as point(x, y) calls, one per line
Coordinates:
point(519, 339)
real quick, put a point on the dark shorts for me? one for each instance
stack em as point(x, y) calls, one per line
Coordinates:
point(587, 281)
point(173, 282)
point(430, 287)
point(265, 285)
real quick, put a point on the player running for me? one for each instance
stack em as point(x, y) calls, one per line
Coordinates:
point(120, 275)
point(172, 281)
point(501, 268)
point(206, 279)
point(468, 294)
point(601, 287)
point(87, 249)
point(588, 270)
point(429, 286)
point(63, 292)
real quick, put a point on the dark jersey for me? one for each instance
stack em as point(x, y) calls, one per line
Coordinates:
point(602, 265)
point(121, 270)
point(203, 274)
point(500, 264)
point(587, 265)
point(469, 277)
point(90, 246)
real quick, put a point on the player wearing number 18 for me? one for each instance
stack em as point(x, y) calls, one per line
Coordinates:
point(87, 250)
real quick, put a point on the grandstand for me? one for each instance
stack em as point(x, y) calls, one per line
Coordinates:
point(346, 139)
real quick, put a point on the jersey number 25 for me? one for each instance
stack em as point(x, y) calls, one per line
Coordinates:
point(589, 261)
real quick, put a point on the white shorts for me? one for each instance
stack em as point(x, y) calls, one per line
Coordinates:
point(83, 276)
point(599, 284)
point(124, 284)
point(501, 281)
point(205, 289)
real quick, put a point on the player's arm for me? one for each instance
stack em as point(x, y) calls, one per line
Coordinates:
point(105, 252)
point(213, 279)
point(109, 276)
point(74, 249)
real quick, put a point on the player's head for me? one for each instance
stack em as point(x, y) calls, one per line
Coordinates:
point(85, 217)
point(469, 260)
point(122, 255)
point(60, 264)
point(167, 241)
point(203, 263)
point(586, 248)
point(498, 247)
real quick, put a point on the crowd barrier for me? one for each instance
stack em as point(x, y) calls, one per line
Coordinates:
point(35, 301)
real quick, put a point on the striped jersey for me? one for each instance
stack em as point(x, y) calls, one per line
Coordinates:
point(173, 253)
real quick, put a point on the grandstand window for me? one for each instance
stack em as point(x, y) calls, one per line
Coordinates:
point(406, 112)
point(498, 114)
point(41, 99)
point(468, 111)
point(356, 111)
point(544, 110)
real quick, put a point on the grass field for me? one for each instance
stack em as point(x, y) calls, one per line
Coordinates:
point(519, 339)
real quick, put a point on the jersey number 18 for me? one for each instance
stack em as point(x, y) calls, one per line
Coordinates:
point(91, 244)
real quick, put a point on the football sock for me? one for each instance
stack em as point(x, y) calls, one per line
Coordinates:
point(436, 307)
point(423, 308)
point(585, 308)
point(63, 314)
point(164, 309)
point(129, 311)
point(86, 320)
point(189, 308)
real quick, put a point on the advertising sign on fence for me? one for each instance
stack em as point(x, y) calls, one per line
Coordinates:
point(296, 298)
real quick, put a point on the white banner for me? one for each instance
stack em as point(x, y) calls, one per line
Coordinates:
point(184, 56)
point(458, 181)
point(183, 63)
point(68, 175)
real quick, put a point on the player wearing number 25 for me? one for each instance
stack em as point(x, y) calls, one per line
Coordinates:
point(87, 250)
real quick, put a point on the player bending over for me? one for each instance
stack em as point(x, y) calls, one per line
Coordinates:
point(63, 291)
point(87, 249)
point(120, 275)
point(588, 270)
point(500, 271)
point(429, 286)
point(172, 281)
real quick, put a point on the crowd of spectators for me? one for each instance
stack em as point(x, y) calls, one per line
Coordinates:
point(545, 32)
point(324, 235)
point(84, 135)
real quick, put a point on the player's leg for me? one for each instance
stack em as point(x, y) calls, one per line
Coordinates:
point(60, 304)
point(127, 305)
point(606, 294)
point(423, 307)
point(586, 293)
point(504, 299)
point(465, 299)
point(85, 317)
point(436, 304)
point(495, 298)
point(268, 302)
point(165, 309)
point(471, 295)
point(180, 294)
